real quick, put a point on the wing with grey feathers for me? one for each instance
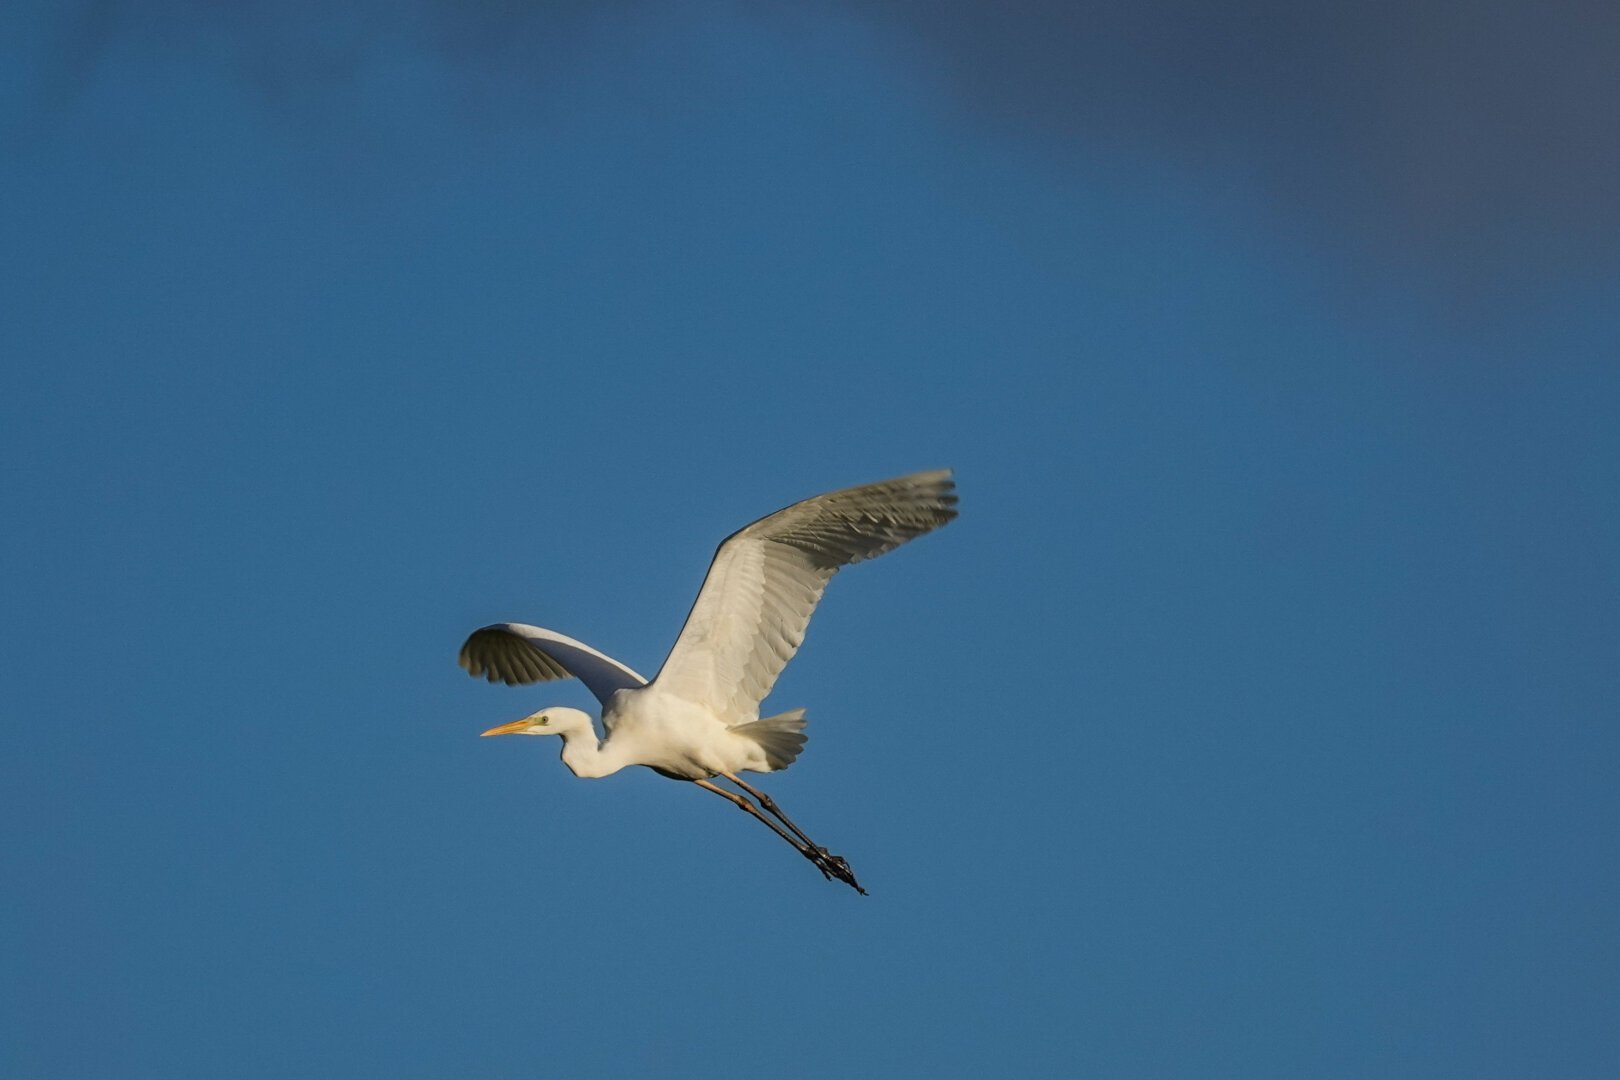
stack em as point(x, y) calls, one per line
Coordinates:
point(766, 579)
point(517, 654)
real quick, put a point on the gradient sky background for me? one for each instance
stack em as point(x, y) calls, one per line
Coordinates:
point(1256, 719)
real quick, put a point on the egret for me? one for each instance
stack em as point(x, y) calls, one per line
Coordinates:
point(698, 719)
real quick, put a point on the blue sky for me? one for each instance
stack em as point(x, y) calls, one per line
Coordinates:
point(1256, 718)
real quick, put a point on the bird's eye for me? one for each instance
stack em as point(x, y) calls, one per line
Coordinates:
point(544, 720)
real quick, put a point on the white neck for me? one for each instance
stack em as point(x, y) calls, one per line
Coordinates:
point(584, 755)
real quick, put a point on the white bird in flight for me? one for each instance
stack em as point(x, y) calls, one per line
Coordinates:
point(699, 720)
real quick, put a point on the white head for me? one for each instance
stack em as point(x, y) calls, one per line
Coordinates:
point(556, 720)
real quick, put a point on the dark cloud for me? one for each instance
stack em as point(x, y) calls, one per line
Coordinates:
point(1480, 139)
point(1473, 142)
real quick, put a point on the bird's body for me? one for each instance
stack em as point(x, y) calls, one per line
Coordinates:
point(698, 719)
point(672, 736)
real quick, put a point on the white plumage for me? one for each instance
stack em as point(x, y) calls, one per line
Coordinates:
point(699, 718)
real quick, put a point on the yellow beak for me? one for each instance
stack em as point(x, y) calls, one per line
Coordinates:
point(506, 729)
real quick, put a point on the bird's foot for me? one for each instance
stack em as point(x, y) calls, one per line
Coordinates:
point(846, 875)
point(835, 866)
point(819, 857)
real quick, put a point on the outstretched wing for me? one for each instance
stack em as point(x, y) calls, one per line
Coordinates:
point(517, 654)
point(750, 615)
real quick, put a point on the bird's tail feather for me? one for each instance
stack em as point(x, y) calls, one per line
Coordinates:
point(781, 736)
